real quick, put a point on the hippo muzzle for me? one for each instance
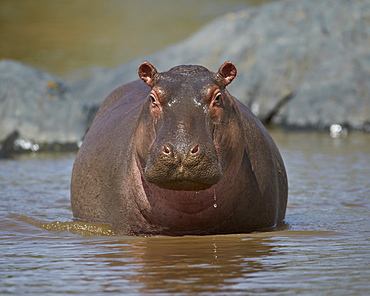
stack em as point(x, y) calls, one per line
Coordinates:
point(192, 167)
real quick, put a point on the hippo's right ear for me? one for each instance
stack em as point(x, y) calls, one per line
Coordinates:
point(147, 73)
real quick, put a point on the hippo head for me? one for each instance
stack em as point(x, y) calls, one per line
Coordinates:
point(190, 127)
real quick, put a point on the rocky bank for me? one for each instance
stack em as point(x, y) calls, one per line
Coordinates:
point(37, 111)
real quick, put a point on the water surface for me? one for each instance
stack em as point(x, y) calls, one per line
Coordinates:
point(325, 251)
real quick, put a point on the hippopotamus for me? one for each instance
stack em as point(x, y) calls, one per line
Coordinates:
point(174, 153)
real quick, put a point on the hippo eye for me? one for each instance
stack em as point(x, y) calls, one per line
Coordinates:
point(152, 99)
point(217, 101)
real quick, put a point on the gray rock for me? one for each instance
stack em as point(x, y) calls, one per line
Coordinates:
point(301, 63)
point(37, 108)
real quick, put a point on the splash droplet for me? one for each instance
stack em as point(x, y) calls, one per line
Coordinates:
point(214, 198)
point(215, 205)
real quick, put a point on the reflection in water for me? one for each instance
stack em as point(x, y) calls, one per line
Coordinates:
point(191, 264)
point(281, 262)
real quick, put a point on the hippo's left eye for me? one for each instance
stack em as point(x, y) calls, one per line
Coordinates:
point(155, 104)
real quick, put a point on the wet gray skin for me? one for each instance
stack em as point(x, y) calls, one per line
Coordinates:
point(184, 155)
point(175, 153)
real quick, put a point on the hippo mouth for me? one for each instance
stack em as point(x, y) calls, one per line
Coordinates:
point(184, 185)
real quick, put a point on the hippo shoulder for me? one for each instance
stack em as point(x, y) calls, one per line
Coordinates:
point(253, 128)
point(106, 148)
point(260, 147)
point(116, 116)
point(264, 157)
point(127, 98)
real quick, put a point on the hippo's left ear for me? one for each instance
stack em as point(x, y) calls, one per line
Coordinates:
point(227, 73)
point(147, 73)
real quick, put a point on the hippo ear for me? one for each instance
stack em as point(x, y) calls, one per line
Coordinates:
point(147, 73)
point(227, 72)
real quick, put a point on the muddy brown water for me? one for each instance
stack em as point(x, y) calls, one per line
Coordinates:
point(324, 251)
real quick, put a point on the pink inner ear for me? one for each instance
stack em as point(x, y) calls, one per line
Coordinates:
point(147, 72)
point(228, 71)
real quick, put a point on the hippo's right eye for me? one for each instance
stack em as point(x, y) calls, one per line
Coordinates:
point(217, 100)
point(153, 99)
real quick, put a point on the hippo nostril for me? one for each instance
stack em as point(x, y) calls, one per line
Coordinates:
point(195, 149)
point(166, 149)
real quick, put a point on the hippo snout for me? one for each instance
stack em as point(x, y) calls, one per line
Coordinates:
point(191, 167)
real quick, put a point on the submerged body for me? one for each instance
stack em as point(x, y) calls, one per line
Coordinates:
point(175, 154)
